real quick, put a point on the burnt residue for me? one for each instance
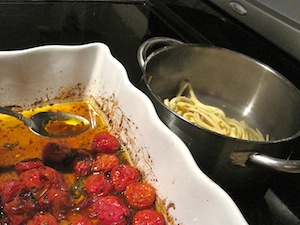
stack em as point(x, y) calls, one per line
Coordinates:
point(74, 92)
point(64, 94)
point(163, 206)
point(121, 126)
point(15, 108)
point(128, 132)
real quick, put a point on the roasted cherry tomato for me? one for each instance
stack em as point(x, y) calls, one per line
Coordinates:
point(55, 154)
point(110, 210)
point(16, 219)
point(82, 163)
point(140, 195)
point(57, 202)
point(54, 178)
point(21, 208)
point(105, 162)
point(123, 175)
point(82, 221)
point(39, 179)
point(148, 217)
point(82, 166)
point(99, 191)
point(98, 184)
point(105, 142)
point(32, 179)
point(29, 164)
point(9, 189)
point(43, 219)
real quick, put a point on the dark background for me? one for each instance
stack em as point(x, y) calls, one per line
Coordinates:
point(124, 25)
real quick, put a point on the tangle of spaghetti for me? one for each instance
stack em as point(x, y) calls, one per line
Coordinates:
point(210, 117)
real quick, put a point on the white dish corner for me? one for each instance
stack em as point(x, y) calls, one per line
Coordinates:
point(43, 73)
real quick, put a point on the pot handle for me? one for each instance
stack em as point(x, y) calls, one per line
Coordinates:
point(289, 166)
point(145, 46)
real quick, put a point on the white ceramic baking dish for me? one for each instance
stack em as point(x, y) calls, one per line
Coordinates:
point(90, 72)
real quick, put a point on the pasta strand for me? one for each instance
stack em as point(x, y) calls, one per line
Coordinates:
point(210, 117)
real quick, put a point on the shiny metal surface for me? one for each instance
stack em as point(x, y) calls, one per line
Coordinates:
point(38, 122)
point(244, 88)
point(277, 21)
point(289, 166)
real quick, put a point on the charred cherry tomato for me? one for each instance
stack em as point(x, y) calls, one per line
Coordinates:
point(98, 184)
point(110, 210)
point(104, 142)
point(29, 164)
point(43, 219)
point(105, 162)
point(83, 153)
point(54, 153)
point(148, 217)
point(140, 195)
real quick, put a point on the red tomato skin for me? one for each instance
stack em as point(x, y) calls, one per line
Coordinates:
point(140, 195)
point(110, 210)
point(32, 179)
point(83, 162)
point(29, 164)
point(104, 142)
point(123, 175)
point(21, 208)
point(43, 219)
point(98, 184)
point(54, 153)
point(40, 179)
point(82, 221)
point(54, 178)
point(105, 162)
point(9, 189)
point(82, 167)
point(15, 219)
point(57, 202)
point(21, 204)
point(148, 217)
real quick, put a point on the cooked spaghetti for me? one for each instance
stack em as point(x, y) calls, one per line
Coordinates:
point(210, 117)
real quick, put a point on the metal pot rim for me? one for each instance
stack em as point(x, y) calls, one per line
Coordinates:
point(177, 44)
point(290, 166)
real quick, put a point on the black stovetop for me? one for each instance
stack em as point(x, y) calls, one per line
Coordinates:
point(124, 25)
point(202, 22)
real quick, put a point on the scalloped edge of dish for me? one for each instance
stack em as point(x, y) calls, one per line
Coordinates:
point(188, 194)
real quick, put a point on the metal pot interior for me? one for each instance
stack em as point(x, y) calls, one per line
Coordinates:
point(244, 88)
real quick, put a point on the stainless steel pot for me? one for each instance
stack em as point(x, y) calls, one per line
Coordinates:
point(245, 89)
